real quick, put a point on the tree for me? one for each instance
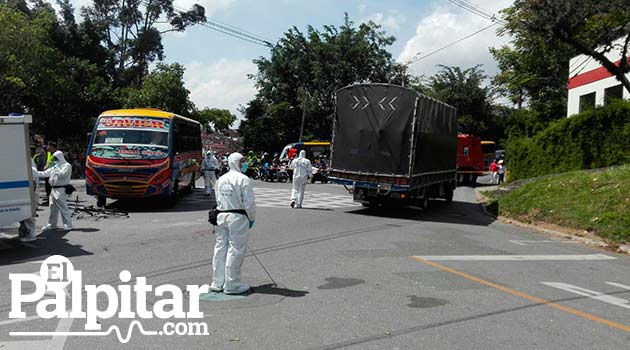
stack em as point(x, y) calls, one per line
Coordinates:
point(591, 27)
point(129, 33)
point(221, 119)
point(62, 93)
point(464, 90)
point(304, 72)
point(164, 89)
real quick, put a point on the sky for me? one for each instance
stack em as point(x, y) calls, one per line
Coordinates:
point(217, 65)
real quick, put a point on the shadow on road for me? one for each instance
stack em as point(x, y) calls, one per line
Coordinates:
point(196, 201)
point(272, 289)
point(439, 211)
point(48, 243)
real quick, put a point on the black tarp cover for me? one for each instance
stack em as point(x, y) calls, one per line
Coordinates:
point(373, 127)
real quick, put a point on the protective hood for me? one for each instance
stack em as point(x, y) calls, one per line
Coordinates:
point(61, 159)
point(234, 161)
point(208, 154)
point(302, 154)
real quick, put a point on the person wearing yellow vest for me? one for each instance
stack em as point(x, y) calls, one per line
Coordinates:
point(50, 162)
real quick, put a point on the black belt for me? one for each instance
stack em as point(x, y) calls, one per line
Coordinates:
point(235, 211)
point(63, 186)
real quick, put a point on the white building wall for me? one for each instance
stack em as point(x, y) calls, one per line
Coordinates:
point(573, 103)
point(582, 64)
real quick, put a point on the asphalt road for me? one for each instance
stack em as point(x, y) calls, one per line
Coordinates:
point(348, 277)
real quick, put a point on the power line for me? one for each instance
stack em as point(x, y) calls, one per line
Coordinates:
point(470, 7)
point(230, 30)
point(578, 68)
point(451, 44)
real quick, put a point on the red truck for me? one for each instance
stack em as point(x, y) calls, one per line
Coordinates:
point(469, 159)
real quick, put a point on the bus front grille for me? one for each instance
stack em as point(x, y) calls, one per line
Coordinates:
point(118, 190)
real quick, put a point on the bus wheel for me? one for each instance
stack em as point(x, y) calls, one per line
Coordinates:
point(191, 186)
point(101, 201)
point(172, 199)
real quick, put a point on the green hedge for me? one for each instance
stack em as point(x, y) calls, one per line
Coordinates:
point(593, 139)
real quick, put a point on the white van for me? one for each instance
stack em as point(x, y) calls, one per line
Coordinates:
point(17, 200)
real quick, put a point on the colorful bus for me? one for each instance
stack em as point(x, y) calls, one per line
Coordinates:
point(142, 153)
point(488, 148)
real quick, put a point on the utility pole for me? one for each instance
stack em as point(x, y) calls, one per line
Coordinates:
point(304, 104)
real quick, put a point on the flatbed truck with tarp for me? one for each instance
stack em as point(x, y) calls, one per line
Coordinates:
point(393, 145)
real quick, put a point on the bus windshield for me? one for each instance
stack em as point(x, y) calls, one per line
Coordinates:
point(131, 138)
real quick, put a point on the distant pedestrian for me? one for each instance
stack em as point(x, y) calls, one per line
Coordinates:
point(501, 171)
point(50, 160)
point(302, 170)
point(209, 167)
point(493, 171)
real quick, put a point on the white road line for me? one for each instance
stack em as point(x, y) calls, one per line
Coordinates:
point(522, 242)
point(18, 320)
point(517, 257)
point(619, 285)
point(589, 293)
point(58, 341)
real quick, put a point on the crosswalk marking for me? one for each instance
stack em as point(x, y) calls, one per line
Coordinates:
point(623, 303)
point(563, 257)
point(280, 198)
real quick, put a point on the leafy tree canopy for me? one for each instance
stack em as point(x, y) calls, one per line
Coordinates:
point(220, 119)
point(303, 73)
point(590, 27)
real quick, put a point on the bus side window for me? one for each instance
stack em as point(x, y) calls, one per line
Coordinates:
point(177, 147)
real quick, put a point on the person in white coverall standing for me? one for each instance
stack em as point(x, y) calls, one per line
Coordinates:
point(27, 226)
point(59, 177)
point(236, 204)
point(209, 166)
point(302, 170)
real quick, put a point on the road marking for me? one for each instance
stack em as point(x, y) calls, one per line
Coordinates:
point(280, 198)
point(18, 320)
point(517, 257)
point(58, 341)
point(619, 285)
point(521, 242)
point(526, 296)
point(589, 293)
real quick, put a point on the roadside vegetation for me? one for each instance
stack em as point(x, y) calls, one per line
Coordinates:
point(594, 201)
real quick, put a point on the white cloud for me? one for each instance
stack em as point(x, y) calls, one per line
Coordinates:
point(211, 6)
point(391, 22)
point(220, 84)
point(447, 23)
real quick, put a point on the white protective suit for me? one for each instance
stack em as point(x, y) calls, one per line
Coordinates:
point(59, 175)
point(234, 190)
point(209, 165)
point(302, 170)
point(27, 226)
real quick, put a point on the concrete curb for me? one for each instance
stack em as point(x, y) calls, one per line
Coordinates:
point(593, 242)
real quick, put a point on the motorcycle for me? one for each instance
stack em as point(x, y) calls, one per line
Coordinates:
point(269, 173)
point(253, 173)
point(320, 174)
point(283, 175)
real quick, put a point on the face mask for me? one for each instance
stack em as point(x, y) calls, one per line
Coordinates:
point(244, 167)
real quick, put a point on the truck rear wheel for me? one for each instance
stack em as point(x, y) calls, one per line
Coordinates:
point(425, 203)
point(448, 193)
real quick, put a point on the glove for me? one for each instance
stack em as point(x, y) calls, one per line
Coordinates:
point(251, 223)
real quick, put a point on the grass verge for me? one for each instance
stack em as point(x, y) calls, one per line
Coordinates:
point(594, 201)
